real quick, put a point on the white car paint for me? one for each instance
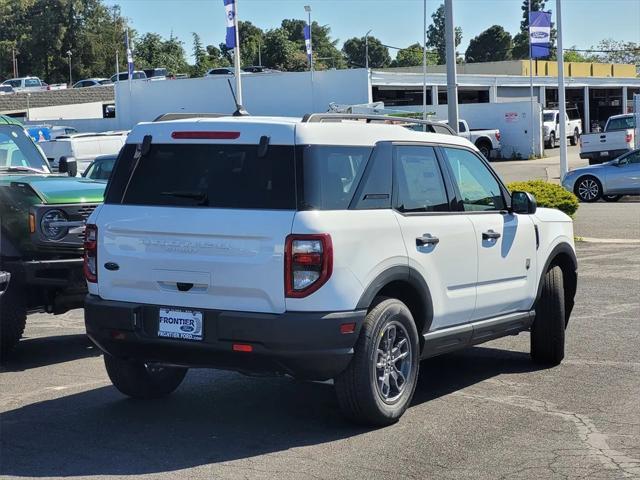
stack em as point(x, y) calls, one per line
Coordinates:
point(83, 147)
point(235, 258)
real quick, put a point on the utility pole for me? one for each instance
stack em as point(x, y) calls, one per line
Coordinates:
point(366, 49)
point(14, 62)
point(259, 53)
point(307, 8)
point(424, 63)
point(561, 96)
point(452, 80)
point(70, 79)
point(533, 148)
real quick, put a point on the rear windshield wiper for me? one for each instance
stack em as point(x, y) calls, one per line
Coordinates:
point(198, 195)
point(21, 169)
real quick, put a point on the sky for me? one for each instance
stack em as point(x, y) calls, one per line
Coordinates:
point(394, 22)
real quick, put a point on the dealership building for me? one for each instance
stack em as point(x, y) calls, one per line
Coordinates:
point(598, 90)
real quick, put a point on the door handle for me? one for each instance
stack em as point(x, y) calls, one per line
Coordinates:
point(490, 235)
point(427, 239)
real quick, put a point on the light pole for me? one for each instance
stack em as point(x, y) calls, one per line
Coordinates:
point(307, 8)
point(70, 79)
point(366, 49)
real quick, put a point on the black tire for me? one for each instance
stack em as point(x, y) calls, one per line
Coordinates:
point(359, 393)
point(588, 189)
point(611, 198)
point(548, 329)
point(552, 140)
point(13, 314)
point(138, 380)
point(485, 149)
point(575, 138)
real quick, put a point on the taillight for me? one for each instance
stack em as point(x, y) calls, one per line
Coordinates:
point(308, 263)
point(629, 138)
point(91, 253)
point(498, 135)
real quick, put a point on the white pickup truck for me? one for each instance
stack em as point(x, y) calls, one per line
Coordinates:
point(551, 126)
point(617, 138)
point(487, 140)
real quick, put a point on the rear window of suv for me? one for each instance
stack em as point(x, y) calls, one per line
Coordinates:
point(211, 175)
point(236, 176)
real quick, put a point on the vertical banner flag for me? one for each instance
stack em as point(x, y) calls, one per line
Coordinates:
point(307, 41)
point(540, 34)
point(230, 11)
point(129, 54)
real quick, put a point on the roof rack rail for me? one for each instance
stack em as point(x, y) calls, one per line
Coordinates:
point(336, 117)
point(183, 115)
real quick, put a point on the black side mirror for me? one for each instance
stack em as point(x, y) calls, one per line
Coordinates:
point(524, 203)
point(68, 165)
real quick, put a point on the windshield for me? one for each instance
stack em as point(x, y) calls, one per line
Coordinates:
point(548, 117)
point(18, 153)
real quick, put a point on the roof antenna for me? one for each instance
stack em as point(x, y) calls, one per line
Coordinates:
point(240, 111)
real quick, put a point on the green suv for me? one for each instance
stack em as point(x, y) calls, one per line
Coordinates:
point(42, 218)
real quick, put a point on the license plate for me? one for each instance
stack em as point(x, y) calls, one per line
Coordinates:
point(181, 324)
point(604, 154)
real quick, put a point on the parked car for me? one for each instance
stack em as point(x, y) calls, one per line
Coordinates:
point(41, 133)
point(487, 140)
point(41, 233)
point(259, 69)
point(137, 75)
point(156, 73)
point(214, 72)
point(610, 180)
point(617, 138)
point(6, 89)
point(551, 126)
point(321, 249)
point(83, 147)
point(92, 82)
point(101, 168)
point(25, 84)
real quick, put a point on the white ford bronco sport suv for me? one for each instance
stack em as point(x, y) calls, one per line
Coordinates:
point(322, 248)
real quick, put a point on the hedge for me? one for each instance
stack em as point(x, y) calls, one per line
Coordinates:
point(548, 195)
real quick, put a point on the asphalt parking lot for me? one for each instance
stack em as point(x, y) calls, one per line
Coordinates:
point(487, 412)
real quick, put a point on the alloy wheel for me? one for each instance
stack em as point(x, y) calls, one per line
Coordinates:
point(392, 361)
point(588, 189)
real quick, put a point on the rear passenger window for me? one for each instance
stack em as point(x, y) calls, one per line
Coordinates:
point(479, 190)
point(419, 183)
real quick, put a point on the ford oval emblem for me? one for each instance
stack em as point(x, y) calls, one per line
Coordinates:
point(112, 266)
point(539, 34)
point(187, 328)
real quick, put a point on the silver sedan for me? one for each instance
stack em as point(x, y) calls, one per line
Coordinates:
point(610, 180)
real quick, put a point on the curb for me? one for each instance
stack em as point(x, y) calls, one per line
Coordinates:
point(626, 241)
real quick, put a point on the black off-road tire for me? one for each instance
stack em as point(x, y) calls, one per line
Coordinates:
point(552, 140)
point(548, 329)
point(138, 380)
point(357, 388)
point(485, 148)
point(13, 314)
point(575, 137)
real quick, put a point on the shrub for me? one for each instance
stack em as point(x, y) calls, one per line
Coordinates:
point(548, 195)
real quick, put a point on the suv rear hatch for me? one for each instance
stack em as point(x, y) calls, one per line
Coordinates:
point(201, 219)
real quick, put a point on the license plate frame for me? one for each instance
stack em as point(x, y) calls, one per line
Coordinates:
point(180, 324)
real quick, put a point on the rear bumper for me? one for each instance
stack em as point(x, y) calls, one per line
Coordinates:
point(302, 344)
point(595, 157)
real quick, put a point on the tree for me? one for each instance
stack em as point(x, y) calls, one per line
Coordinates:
point(574, 56)
point(412, 56)
point(615, 51)
point(354, 51)
point(492, 45)
point(202, 62)
point(251, 39)
point(325, 51)
point(153, 51)
point(436, 35)
point(520, 49)
point(281, 53)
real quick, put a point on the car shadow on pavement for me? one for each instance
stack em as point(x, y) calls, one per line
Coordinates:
point(37, 352)
point(214, 417)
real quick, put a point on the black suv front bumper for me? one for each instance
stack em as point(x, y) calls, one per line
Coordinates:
point(305, 345)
